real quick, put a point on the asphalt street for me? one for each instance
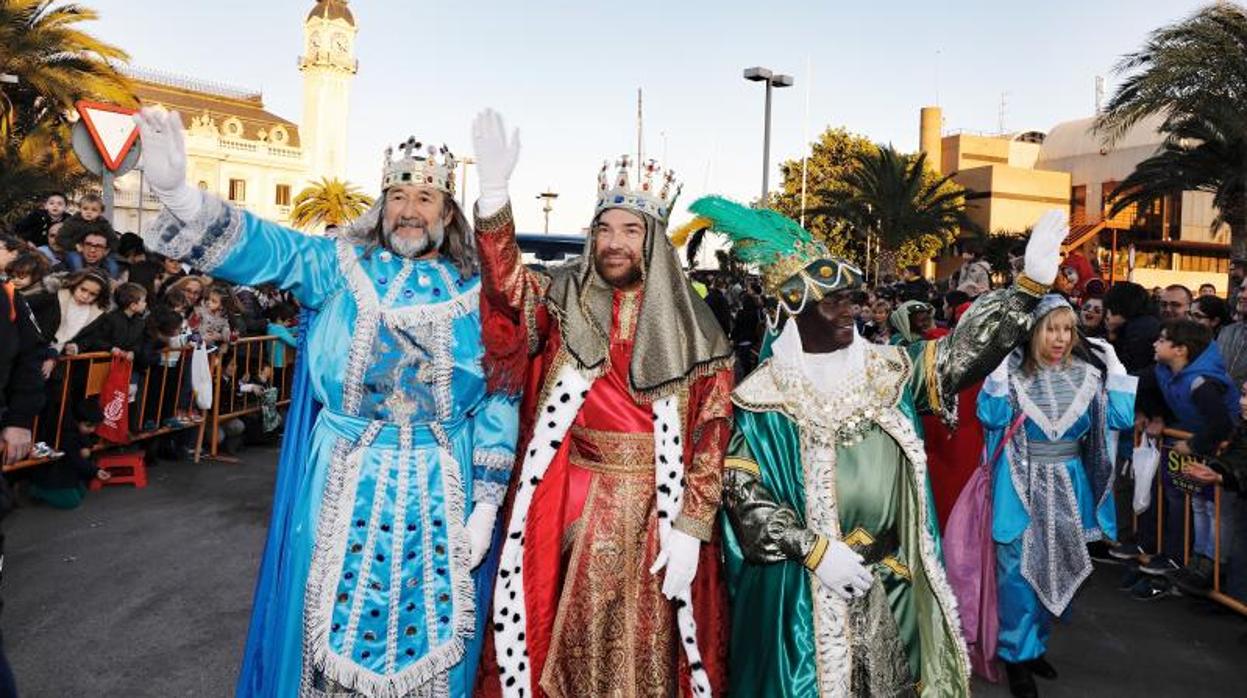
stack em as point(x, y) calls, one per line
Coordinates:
point(147, 593)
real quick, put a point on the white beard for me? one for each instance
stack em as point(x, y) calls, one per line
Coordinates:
point(416, 247)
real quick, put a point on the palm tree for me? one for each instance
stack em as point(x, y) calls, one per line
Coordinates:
point(1194, 74)
point(328, 202)
point(55, 64)
point(893, 196)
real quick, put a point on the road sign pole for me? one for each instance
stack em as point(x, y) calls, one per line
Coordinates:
point(107, 185)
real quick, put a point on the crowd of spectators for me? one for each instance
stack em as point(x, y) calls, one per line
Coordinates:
point(91, 290)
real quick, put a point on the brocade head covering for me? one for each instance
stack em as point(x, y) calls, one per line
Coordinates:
point(901, 319)
point(677, 337)
point(795, 268)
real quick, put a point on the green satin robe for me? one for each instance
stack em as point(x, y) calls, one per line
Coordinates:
point(773, 648)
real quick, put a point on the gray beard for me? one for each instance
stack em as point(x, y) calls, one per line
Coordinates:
point(406, 247)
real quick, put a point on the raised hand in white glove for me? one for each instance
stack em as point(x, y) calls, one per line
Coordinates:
point(164, 161)
point(1111, 362)
point(1043, 250)
point(841, 570)
point(480, 529)
point(679, 555)
point(495, 160)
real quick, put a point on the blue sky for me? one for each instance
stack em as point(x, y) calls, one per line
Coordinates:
point(566, 74)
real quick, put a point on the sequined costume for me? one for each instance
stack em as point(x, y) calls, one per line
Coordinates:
point(625, 419)
point(826, 453)
point(1052, 486)
point(810, 463)
point(392, 439)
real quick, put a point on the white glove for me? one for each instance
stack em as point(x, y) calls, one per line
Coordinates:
point(1043, 250)
point(1111, 362)
point(480, 528)
point(679, 555)
point(495, 160)
point(164, 161)
point(1000, 374)
point(841, 570)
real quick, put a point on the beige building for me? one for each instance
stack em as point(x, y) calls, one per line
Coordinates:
point(239, 150)
point(1011, 179)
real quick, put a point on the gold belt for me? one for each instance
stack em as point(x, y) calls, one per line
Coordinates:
point(612, 451)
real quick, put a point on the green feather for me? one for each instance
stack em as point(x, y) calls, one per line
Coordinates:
point(759, 236)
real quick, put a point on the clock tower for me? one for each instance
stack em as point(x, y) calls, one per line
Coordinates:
point(328, 65)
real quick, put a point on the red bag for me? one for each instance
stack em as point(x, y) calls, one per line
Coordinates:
point(115, 402)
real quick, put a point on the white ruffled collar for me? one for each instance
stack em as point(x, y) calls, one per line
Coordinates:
point(823, 371)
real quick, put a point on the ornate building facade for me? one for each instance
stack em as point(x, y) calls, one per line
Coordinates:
point(244, 153)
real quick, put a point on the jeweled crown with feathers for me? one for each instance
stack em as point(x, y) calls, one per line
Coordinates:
point(420, 165)
point(654, 196)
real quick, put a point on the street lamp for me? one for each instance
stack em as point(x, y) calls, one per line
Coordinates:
point(463, 187)
point(549, 198)
point(760, 74)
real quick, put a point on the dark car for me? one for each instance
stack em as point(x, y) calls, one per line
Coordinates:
point(544, 251)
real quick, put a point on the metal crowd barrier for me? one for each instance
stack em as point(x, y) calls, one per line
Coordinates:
point(81, 377)
point(247, 356)
point(1172, 464)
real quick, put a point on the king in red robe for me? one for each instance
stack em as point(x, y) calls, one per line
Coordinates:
point(625, 420)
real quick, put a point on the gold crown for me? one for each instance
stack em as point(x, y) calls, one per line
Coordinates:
point(421, 166)
point(652, 198)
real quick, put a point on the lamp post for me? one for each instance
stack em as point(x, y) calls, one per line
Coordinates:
point(463, 186)
point(548, 197)
point(760, 74)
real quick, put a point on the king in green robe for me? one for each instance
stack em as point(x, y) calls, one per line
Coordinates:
point(832, 552)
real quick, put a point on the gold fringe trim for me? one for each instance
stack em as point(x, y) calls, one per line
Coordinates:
point(935, 400)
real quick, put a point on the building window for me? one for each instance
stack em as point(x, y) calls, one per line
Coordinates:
point(283, 195)
point(1078, 205)
point(238, 190)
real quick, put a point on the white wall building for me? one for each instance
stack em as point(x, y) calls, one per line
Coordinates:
point(243, 153)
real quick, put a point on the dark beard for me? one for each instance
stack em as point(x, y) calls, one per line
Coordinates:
point(633, 276)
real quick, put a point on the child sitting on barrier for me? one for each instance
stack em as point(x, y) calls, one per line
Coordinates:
point(62, 483)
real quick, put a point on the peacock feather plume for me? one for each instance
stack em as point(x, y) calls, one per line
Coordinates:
point(759, 236)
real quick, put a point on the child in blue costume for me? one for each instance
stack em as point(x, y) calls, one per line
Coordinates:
point(1058, 407)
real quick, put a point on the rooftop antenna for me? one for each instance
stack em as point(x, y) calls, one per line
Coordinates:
point(805, 128)
point(1004, 106)
point(640, 129)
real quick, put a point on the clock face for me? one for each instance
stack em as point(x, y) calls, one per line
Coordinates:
point(339, 42)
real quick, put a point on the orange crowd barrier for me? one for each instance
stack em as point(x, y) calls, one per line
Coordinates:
point(162, 394)
point(247, 361)
point(1172, 464)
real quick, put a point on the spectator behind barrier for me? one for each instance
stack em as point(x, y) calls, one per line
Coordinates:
point(1131, 326)
point(82, 299)
point(1211, 312)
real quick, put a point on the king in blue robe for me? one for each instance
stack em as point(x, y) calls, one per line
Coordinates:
point(370, 582)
